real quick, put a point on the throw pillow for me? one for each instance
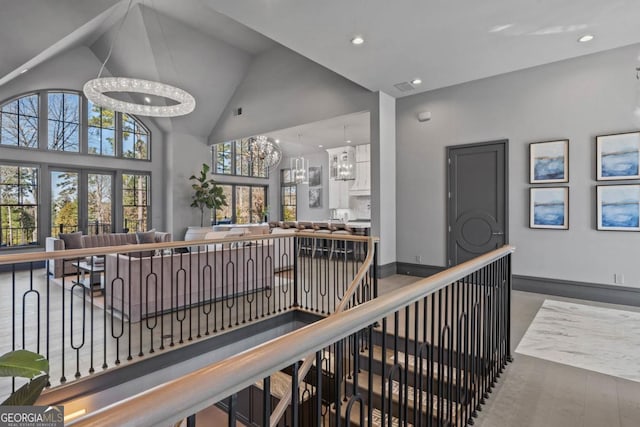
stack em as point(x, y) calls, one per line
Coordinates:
point(146, 236)
point(71, 240)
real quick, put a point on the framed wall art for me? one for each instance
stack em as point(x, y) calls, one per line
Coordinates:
point(618, 156)
point(549, 208)
point(315, 176)
point(618, 207)
point(549, 162)
point(315, 197)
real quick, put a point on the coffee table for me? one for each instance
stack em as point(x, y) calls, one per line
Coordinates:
point(91, 277)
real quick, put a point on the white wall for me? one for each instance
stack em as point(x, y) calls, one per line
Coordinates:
point(575, 99)
point(284, 89)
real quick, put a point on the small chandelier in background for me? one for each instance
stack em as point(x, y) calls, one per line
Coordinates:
point(299, 170)
point(266, 151)
point(96, 90)
point(346, 169)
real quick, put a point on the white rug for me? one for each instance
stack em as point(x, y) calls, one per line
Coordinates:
point(594, 338)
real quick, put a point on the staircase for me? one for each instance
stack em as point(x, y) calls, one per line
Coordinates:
point(383, 380)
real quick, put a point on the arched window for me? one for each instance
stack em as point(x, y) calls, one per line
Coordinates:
point(19, 122)
point(63, 121)
point(135, 138)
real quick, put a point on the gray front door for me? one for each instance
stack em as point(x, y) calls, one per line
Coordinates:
point(477, 199)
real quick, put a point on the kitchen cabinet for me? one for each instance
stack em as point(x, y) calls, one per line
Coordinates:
point(362, 184)
point(363, 153)
point(338, 194)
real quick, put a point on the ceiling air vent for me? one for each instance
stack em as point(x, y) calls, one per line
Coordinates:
point(404, 86)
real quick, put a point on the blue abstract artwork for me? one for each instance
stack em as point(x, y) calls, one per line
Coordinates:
point(619, 207)
point(549, 161)
point(549, 207)
point(619, 156)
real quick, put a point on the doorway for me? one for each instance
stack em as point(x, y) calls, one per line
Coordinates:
point(477, 199)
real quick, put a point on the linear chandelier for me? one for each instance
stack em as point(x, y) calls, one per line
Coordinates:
point(97, 90)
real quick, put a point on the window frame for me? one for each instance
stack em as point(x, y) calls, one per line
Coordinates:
point(234, 164)
point(232, 202)
point(38, 205)
point(38, 145)
point(284, 184)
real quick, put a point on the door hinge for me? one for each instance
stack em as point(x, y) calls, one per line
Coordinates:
point(449, 160)
point(449, 194)
point(449, 229)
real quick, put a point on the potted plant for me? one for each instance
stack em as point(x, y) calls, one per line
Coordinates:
point(25, 364)
point(206, 194)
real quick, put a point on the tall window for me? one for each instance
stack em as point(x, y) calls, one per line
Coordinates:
point(235, 158)
point(225, 213)
point(135, 201)
point(102, 131)
point(64, 121)
point(135, 138)
point(64, 202)
point(18, 206)
point(99, 206)
point(245, 204)
point(19, 122)
point(223, 154)
point(288, 196)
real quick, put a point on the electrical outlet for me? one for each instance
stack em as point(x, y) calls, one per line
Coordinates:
point(419, 258)
point(618, 278)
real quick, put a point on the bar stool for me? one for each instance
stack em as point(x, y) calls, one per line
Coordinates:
point(322, 229)
point(340, 230)
point(306, 244)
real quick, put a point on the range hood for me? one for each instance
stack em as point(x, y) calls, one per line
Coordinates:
point(361, 185)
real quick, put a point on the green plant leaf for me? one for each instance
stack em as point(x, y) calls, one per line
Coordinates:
point(28, 393)
point(23, 363)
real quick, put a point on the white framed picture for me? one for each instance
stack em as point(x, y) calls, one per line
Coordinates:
point(618, 156)
point(618, 207)
point(549, 208)
point(549, 162)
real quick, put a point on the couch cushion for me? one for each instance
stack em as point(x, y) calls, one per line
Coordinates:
point(146, 236)
point(72, 240)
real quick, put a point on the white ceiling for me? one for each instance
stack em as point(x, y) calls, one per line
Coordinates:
point(214, 41)
point(444, 42)
point(305, 139)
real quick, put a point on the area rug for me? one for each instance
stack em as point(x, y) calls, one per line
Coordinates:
point(598, 339)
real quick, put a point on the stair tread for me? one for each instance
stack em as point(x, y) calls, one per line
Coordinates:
point(377, 355)
point(395, 389)
point(376, 415)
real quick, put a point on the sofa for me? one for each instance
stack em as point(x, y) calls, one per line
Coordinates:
point(141, 287)
point(58, 267)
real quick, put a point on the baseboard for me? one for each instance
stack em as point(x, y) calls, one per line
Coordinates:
point(387, 270)
point(578, 290)
point(418, 270)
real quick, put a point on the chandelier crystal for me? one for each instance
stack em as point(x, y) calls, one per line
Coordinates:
point(95, 90)
point(265, 151)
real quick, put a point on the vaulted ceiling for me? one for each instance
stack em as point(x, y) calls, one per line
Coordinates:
point(207, 46)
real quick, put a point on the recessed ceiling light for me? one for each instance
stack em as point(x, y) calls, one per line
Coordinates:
point(24, 71)
point(357, 40)
point(277, 141)
point(147, 100)
point(320, 146)
point(586, 38)
point(348, 141)
point(416, 81)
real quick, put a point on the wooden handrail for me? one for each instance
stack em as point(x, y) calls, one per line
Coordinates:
point(185, 396)
point(17, 258)
point(280, 409)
